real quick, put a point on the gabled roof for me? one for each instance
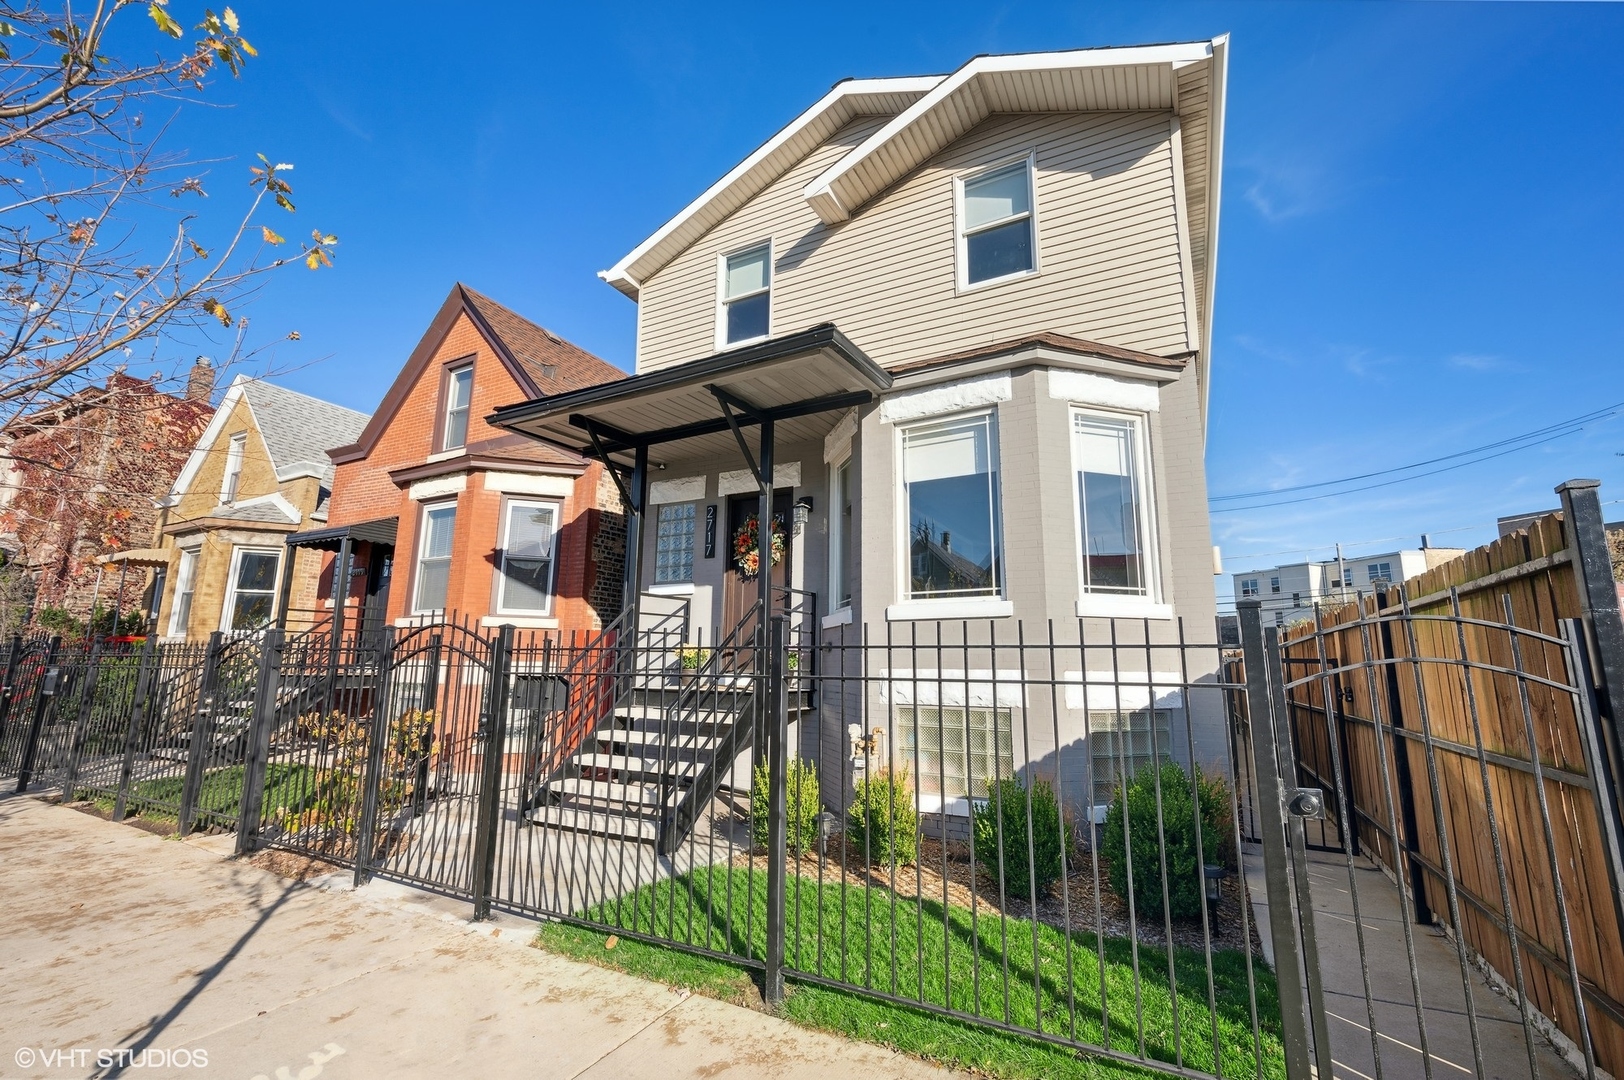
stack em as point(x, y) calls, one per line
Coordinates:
point(846, 101)
point(541, 363)
point(297, 431)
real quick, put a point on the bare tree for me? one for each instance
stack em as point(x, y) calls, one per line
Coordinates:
point(104, 258)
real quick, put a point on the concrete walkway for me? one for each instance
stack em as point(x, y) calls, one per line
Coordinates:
point(113, 941)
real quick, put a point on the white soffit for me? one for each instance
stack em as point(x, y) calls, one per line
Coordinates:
point(1083, 80)
point(1087, 388)
point(846, 101)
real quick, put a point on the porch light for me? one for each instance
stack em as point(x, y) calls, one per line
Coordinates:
point(803, 511)
point(827, 825)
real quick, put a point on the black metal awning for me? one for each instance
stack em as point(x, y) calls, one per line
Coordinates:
point(788, 380)
point(379, 531)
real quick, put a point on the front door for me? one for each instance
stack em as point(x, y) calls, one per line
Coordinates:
point(739, 591)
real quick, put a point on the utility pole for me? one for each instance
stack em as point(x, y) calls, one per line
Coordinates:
point(1341, 576)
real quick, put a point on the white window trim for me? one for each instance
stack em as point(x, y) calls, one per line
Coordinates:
point(722, 343)
point(508, 506)
point(236, 448)
point(1150, 604)
point(185, 583)
point(417, 556)
point(961, 248)
point(835, 552)
point(231, 581)
point(985, 607)
point(446, 408)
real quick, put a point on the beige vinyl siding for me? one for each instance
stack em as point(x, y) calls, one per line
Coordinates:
point(1107, 234)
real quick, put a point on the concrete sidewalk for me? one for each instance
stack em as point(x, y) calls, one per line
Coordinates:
point(112, 940)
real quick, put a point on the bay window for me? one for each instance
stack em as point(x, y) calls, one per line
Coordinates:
point(950, 499)
point(251, 589)
point(1108, 452)
point(433, 558)
point(529, 530)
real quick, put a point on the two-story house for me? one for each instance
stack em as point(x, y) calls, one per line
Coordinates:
point(436, 514)
point(257, 473)
point(951, 335)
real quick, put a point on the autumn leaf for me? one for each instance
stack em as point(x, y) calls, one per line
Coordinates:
point(161, 17)
point(316, 258)
point(198, 248)
point(218, 310)
point(231, 20)
point(270, 235)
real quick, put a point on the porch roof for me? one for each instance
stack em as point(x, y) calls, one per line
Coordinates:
point(788, 379)
point(380, 531)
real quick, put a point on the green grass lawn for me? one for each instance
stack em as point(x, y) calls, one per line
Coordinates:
point(221, 794)
point(895, 945)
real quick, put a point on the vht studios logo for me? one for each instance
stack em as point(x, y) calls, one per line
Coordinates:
point(83, 1057)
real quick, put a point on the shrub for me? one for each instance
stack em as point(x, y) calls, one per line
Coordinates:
point(1137, 801)
point(801, 811)
point(883, 822)
point(1002, 821)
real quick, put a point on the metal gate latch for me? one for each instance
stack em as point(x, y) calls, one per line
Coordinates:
point(1305, 802)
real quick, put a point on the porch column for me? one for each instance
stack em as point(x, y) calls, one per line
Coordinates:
point(637, 499)
point(764, 532)
point(341, 593)
point(285, 593)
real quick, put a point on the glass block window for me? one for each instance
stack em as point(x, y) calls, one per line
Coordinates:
point(674, 543)
point(954, 751)
point(1122, 743)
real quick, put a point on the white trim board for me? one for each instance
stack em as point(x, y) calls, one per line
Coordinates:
point(1087, 388)
point(676, 490)
point(947, 398)
point(743, 481)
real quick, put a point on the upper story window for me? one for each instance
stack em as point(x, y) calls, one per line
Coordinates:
point(459, 395)
point(1380, 571)
point(434, 557)
point(1274, 584)
point(232, 480)
point(527, 558)
point(745, 296)
point(997, 234)
point(1248, 586)
point(950, 491)
point(674, 543)
point(1114, 526)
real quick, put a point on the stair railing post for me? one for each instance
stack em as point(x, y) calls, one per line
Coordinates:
point(497, 697)
point(377, 745)
point(44, 694)
point(81, 722)
point(145, 677)
point(202, 724)
point(257, 755)
point(777, 805)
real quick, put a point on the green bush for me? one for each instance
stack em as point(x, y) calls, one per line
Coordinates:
point(801, 795)
point(1002, 822)
point(883, 822)
point(1137, 801)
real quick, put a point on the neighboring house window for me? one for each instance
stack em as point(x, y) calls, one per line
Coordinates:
point(840, 542)
point(180, 615)
point(459, 394)
point(955, 751)
point(251, 591)
point(997, 238)
point(434, 557)
point(233, 476)
point(1122, 743)
point(950, 490)
point(1114, 520)
point(1249, 586)
point(1296, 599)
point(1380, 571)
point(1274, 584)
point(746, 296)
point(674, 543)
point(527, 558)
point(1280, 618)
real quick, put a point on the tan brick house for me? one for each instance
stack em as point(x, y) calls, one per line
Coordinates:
point(258, 472)
point(435, 512)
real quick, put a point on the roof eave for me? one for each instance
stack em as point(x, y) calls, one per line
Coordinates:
point(1215, 172)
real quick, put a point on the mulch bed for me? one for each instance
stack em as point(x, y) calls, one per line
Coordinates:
point(968, 886)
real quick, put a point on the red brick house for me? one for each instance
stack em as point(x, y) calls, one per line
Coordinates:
point(433, 512)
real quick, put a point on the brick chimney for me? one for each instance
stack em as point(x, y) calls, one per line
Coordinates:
point(200, 384)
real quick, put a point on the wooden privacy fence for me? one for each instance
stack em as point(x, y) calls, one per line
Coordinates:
point(1474, 756)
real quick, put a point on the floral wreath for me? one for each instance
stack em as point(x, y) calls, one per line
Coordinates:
point(746, 550)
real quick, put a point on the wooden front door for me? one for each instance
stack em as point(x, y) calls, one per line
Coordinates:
point(738, 591)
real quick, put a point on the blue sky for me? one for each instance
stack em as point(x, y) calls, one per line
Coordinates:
point(1423, 208)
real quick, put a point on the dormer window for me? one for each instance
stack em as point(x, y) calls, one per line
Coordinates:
point(459, 394)
point(745, 296)
point(997, 238)
point(232, 479)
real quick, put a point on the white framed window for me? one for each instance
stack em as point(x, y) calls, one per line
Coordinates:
point(1274, 584)
point(1116, 547)
point(251, 589)
point(950, 505)
point(180, 612)
point(1248, 586)
point(997, 224)
point(1380, 571)
point(840, 534)
point(232, 479)
point(459, 396)
point(674, 543)
point(744, 296)
point(529, 531)
point(1122, 743)
point(434, 557)
point(955, 752)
